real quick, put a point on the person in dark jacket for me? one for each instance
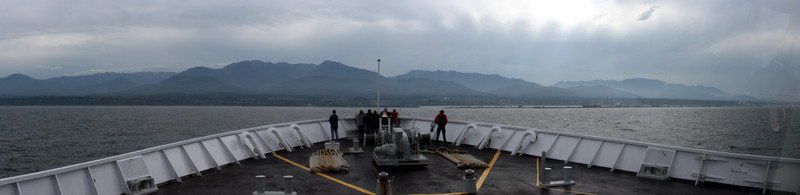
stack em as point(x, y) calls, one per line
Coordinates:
point(368, 122)
point(334, 120)
point(375, 118)
point(360, 122)
point(441, 121)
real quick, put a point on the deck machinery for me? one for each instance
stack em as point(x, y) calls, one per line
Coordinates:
point(399, 147)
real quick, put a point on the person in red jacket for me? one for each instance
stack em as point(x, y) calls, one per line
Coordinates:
point(441, 121)
point(394, 117)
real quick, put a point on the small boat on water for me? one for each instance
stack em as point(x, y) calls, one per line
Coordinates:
point(276, 158)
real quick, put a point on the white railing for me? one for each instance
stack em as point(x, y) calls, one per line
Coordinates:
point(172, 161)
point(764, 172)
point(164, 163)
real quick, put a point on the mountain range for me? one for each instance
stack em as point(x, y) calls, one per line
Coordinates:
point(334, 79)
point(650, 88)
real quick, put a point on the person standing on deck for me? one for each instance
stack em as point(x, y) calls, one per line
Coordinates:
point(360, 122)
point(385, 116)
point(441, 121)
point(368, 121)
point(394, 117)
point(334, 120)
point(375, 120)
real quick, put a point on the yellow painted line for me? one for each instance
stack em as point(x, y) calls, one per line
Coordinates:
point(537, 183)
point(346, 184)
point(291, 162)
point(326, 176)
point(486, 171)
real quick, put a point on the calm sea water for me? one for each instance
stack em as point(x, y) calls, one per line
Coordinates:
point(38, 138)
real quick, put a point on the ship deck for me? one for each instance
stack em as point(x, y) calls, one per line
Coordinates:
point(508, 174)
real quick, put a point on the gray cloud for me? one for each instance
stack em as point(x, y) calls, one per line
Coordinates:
point(647, 13)
point(546, 42)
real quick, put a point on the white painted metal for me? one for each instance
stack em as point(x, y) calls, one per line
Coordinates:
point(572, 151)
point(614, 165)
point(107, 179)
point(630, 158)
point(523, 143)
point(284, 144)
point(191, 161)
point(551, 145)
point(594, 157)
point(200, 158)
point(180, 159)
point(495, 131)
point(324, 130)
point(727, 168)
point(122, 178)
point(505, 142)
point(171, 166)
point(248, 142)
point(8, 189)
point(92, 179)
point(464, 133)
point(222, 143)
point(700, 168)
point(211, 156)
point(260, 135)
point(301, 137)
point(19, 190)
point(58, 185)
point(43, 185)
point(76, 182)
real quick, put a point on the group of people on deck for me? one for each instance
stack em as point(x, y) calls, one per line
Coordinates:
point(368, 123)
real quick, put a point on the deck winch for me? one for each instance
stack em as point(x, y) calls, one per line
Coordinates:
point(400, 147)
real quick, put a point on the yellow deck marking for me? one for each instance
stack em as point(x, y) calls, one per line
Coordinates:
point(326, 176)
point(291, 162)
point(486, 172)
point(537, 183)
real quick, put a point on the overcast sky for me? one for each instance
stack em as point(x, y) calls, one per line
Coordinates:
point(688, 42)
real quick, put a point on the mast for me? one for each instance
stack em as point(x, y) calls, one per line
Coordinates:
point(379, 85)
point(380, 120)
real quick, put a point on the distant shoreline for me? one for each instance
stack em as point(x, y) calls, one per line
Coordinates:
point(609, 106)
point(346, 101)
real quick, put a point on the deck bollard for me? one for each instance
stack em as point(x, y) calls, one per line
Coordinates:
point(543, 164)
point(287, 184)
point(544, 159)
point(546, 175)
point(384, 184)
point(356, 145)
point(469, 181)
point(261, 182)
point(567, 173)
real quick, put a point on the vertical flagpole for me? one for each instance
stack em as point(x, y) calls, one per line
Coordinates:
point(379, 96)
point(379, 85)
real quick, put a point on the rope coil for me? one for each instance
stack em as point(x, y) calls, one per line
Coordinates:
point(328, 160)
